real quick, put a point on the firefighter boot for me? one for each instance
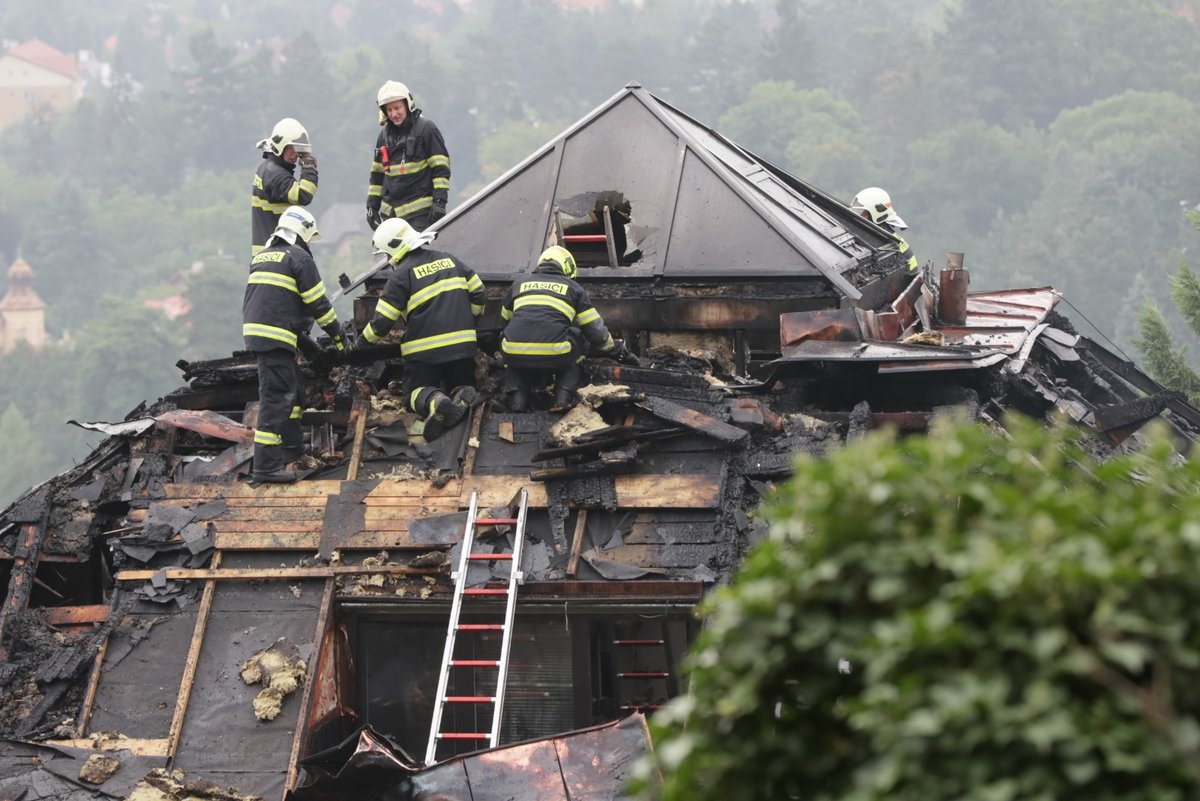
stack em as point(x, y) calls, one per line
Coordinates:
point(445, 413)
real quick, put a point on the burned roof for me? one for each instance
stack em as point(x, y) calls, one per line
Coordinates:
point(683, 202)
point(162, 609)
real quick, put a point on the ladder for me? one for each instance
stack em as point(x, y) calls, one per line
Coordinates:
point(461, 591)
point(661, 646)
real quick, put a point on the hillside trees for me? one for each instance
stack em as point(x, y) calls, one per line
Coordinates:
point(1165, 360)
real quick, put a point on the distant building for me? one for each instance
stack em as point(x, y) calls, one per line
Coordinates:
point(22, 311)
point(36, 77)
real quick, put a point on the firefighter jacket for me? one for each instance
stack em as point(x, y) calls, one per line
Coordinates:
point(438, 298)
point(549, 317)
point(284, 294)
point(906, 255)
point(410, 169)
point(274, 190)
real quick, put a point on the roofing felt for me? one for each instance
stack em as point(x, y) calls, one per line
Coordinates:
point(687, 202)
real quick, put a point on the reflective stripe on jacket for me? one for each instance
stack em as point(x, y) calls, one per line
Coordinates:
point(548, 315)
point(438, 298)
point(284, 295)
point(410, 169)
point(273, 191)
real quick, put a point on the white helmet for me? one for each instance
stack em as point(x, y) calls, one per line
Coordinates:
point(390, 92)
point(297, 221)
point(287, 132)
point(878, 206)
point(397, 238)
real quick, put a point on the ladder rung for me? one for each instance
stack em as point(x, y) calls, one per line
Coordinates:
point(463, 735)
point(584, 238)
point(486, 591)
point(470, 699)
point(644, 675)
point(480, 627)
point(489, 557)
point(495, 521)
point(637, 642)
point(474, 663)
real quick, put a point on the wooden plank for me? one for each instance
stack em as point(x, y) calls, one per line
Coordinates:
point(107, 743)
point(281, 573)
point(359, 413)
point(310, 541)
point(89, 698)
point(74, 615)
point(316, 488)
point(644, 491)
point(697, 421)
point(577, 542)
point(310, 681)
point(472, 450)
point(191, 663)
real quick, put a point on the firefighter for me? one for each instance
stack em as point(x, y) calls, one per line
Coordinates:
point(410, 172)
point(438, 299)
point(284, 295)
point(876, 205)
point(275, 184)
point(550, 322)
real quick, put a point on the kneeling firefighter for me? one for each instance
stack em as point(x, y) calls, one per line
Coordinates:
point(439, 299)
point(550, 324)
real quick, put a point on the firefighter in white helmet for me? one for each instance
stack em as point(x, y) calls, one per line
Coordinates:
point(284, 295)
point(438, 300)
point(410, 170)
point(286, 152)
point(875, 205)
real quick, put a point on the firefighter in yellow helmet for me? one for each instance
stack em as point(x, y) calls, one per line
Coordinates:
point(550, 325)
point(410, 171)
point(276, 185)
point(876, 205)
point(438, 300)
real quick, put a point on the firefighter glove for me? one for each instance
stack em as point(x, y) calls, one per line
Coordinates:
point(437, 211)
point(374, 218)
point(308, 161)
point(624, 355)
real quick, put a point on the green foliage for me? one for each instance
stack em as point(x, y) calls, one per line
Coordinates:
point(810, 133)
point(127, 356)
point(962, 616)
point(1185, 291)
point(1164, 361)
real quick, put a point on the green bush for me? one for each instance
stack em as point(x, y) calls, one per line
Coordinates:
point(958, 616)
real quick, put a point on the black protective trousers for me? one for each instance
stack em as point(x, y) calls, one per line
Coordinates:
point(524, 381)
point(422, 382)
point(280, 386)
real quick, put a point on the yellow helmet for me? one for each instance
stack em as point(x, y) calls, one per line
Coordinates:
point(560, 256)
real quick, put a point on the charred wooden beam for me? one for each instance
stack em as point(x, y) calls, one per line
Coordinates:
point(20, 582)
point(614, 437)
point(697, 421)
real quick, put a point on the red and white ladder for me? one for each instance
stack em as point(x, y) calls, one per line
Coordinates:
point(461, 592)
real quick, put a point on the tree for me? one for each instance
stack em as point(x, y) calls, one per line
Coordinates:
point(1116, 172)
point(809, 132)
point(1165, 361)
point(962, 616)
point(128, 355)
